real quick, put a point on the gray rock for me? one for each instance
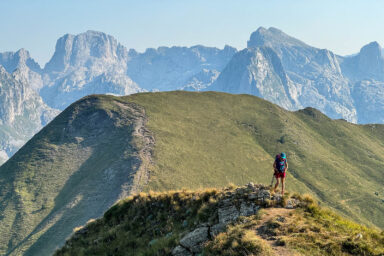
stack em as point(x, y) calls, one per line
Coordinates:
point(263, 195)
point(181, 251)
point(252, 196)
point(292, 203)
point(247, 209)
point(228, 214)
point(193, 240)
point(277, 197)
point(216, 229)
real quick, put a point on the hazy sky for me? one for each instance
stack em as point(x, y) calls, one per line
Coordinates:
point(342, 26)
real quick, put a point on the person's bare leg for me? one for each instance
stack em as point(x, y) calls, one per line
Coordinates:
point(277, 184)
point(282, 185)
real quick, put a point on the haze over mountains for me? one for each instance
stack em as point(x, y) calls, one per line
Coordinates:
point(274, 66)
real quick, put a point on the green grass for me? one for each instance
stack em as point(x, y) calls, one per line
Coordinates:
point(211, 139)
point(144, 224)
point(58, 179)
point(153, 224)
point(313, 230)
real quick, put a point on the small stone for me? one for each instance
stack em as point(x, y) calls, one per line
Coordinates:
point(359, 236)
point(216, 229)
point(263, 195)
point(252, 196)
point(277, 197)
point(185, 223)
point(292, 203)
point(180, 251)
point(280, 219)
point(240, 191)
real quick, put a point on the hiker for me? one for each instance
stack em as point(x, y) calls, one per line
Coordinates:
point(280, 167)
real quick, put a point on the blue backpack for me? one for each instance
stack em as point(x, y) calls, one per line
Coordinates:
point(280, 163)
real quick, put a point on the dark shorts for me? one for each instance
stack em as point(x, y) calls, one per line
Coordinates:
point(279, 175)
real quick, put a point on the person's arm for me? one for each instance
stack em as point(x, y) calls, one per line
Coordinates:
point(286, 168)
point(274, 166)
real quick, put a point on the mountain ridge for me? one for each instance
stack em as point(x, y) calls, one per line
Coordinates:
point(232, 221)
point(89, 156)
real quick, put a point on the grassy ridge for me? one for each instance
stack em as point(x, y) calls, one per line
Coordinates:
point(78, 165)
point(210, 139)
point(71, 171)
point(153, 223)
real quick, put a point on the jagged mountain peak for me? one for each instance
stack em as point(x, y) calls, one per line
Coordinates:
point(272, 37)
point(79, 50)
point(372, 50)
point(2, 69)
point(21, 58)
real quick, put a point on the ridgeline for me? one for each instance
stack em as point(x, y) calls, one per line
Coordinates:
point(104, 148)
point(233, 221)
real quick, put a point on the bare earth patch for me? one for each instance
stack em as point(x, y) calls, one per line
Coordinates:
point(264, 232)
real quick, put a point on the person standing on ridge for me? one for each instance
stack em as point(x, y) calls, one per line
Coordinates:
point(280, 167)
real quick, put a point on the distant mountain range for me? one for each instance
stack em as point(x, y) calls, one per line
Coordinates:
point(274, 66)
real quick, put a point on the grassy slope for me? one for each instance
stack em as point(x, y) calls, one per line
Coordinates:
point(202, 140)
point(152, 224)
point(210, 139)
point(71, 171)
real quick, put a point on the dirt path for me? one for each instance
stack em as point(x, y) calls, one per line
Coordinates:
point(279, 214)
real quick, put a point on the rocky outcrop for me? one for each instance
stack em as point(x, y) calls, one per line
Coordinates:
point(242, 202)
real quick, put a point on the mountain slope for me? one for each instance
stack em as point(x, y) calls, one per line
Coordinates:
point(88, 157)
point(73, 170)
point(308, 77)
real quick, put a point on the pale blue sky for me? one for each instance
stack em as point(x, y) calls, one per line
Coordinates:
point(342, 26)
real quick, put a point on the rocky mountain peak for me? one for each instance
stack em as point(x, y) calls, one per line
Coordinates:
point(272, 37)
point(84, 49)
point(13, 60)
point(372, 51)
point(371, 61)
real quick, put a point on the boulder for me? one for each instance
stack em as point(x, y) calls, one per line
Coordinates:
point(228, 214)
point(180, 251)
point(247, 209)
point(216, 229)
point(263, 195)
point(292, 203)
point(193, 240)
